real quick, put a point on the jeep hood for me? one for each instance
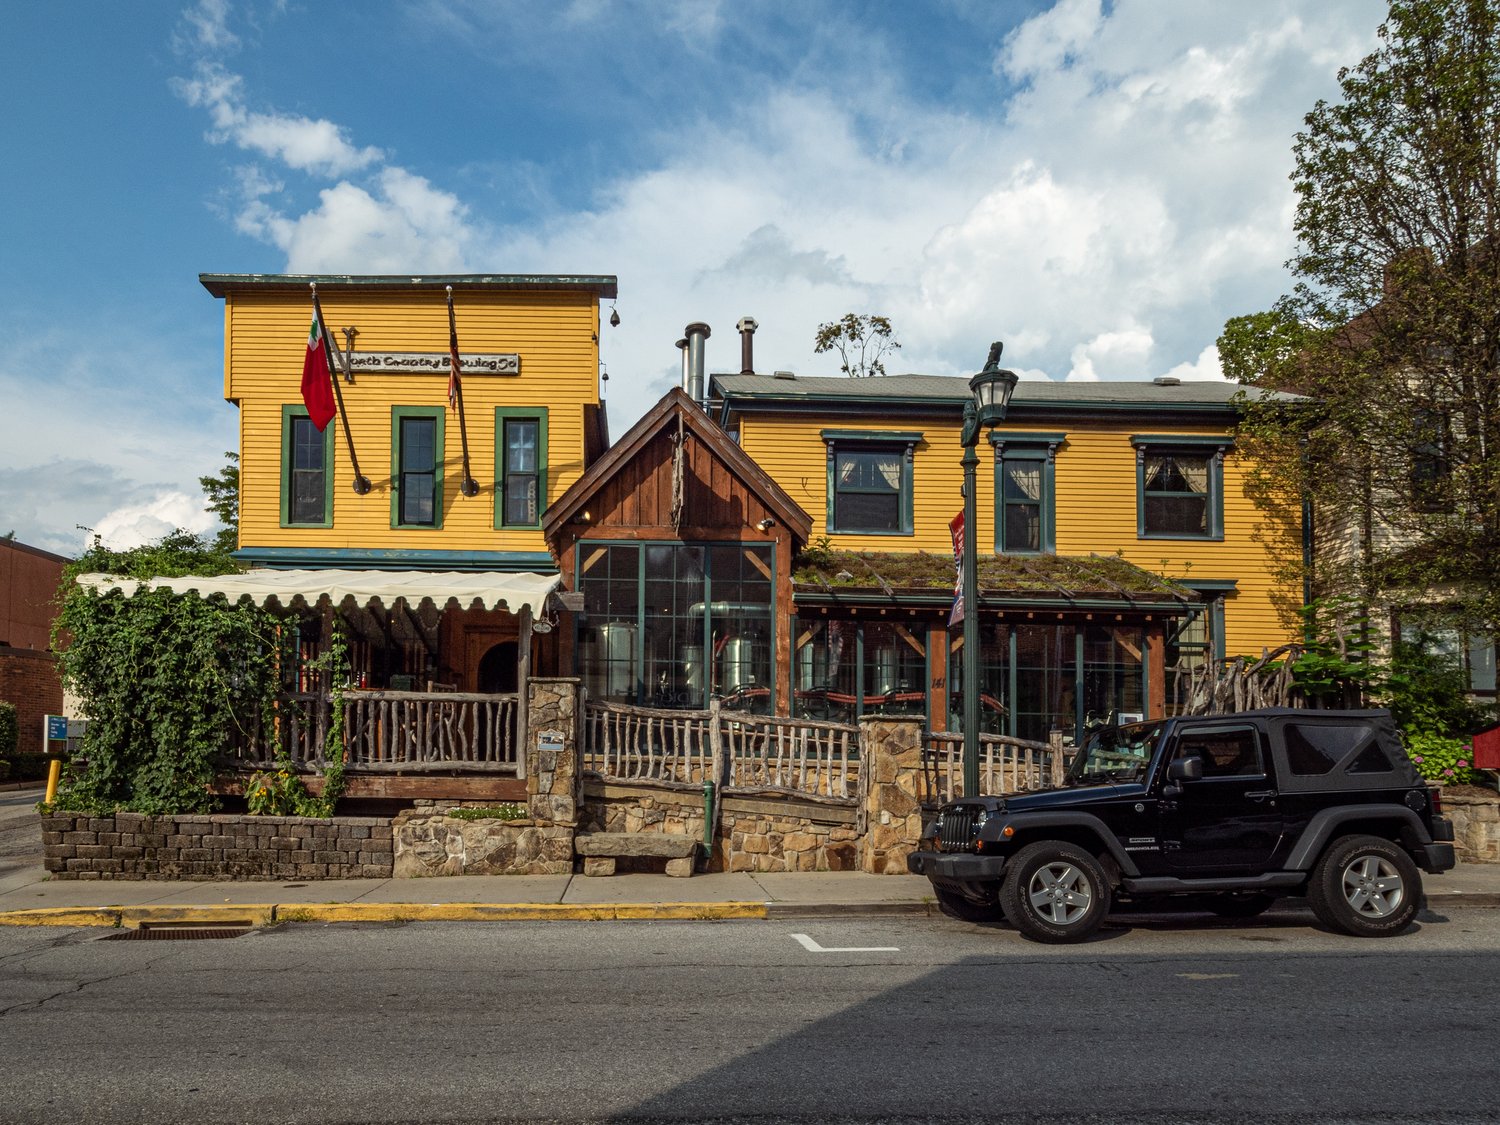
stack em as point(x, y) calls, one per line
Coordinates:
point(1073, 796)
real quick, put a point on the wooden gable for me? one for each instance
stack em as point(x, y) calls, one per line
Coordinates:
point(631, 492)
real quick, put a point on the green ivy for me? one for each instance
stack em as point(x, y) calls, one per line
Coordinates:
point(9, 731)
point(166, 679)
point(510, 810)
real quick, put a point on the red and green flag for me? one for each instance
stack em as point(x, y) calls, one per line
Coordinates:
point(317, 382)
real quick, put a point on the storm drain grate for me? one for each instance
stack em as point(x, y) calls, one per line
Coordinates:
point(183, 931)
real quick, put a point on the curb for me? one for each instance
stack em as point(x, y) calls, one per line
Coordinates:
point(268, 914)
point(791, 910)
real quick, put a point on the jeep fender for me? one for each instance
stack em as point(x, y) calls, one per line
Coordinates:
point(1325, 825)
point(1026, 823)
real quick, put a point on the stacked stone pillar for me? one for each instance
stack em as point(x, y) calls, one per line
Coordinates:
point(890, 792)
point(554, 773)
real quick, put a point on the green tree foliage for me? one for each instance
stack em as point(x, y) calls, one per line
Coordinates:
point(1393, 326)
point(861, 342)
point(165, 679)
point(223, 495)
point(9, 731)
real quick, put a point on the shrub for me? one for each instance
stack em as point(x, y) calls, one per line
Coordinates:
point(9, 730)
point(1446, 761)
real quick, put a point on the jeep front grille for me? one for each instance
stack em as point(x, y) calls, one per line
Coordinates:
point(958, 828)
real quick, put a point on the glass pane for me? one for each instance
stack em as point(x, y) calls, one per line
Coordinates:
point(520, 446)
point(520, 498)
point(1112, 677)
point(1315, 748)
point(672, 622)
point(418, 439)
point(824, 683)
point(895, 671)
point(1046, 684)
point(607, 642)
point(1023, 527)
point(867, 512)
point(879, 472)
point(416, 498)
point(1177, 514)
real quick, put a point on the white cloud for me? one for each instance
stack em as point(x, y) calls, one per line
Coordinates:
point(1206, 366)
point(206, 28)
point(136, 524)
point(316, 146)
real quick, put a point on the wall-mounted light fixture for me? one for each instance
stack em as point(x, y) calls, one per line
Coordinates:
point(766, 524)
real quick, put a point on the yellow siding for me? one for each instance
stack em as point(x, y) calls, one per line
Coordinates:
point(266, 333)
point(1095, 504)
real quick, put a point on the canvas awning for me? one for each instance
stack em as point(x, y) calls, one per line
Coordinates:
point(494, 590)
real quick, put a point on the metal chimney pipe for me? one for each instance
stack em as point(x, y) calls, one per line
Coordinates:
point(696, 334)
point(747, 327)
point(682, 346)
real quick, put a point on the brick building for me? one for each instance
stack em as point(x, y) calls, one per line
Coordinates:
point(29, 579)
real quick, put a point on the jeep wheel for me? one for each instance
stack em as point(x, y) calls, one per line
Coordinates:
point(1054, 892)
point(1365, 886)
point(955, 905)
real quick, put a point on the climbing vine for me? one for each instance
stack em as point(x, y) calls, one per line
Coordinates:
point(168, 681)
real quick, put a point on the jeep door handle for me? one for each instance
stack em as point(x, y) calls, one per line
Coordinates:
point(1260, 794)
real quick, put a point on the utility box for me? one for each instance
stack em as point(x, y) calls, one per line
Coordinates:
point(1487, 748)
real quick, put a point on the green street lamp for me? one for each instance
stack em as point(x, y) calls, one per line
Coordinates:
point(991, 390)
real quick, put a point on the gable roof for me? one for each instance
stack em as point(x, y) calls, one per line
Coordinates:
point(673, 405)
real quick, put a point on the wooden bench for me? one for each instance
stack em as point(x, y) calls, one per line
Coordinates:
point(600, 850)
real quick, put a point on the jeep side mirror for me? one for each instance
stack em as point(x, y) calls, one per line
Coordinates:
point(1186, 769)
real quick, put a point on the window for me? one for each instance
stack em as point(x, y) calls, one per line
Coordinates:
point(1225, 753)
point(1180, 487)
point(870, 481)
point(417, 466)
point(1024, 490)
point(1429, 460)
point(521, 466)
point(306, 471)
point(669, 624)
point(1448, 648)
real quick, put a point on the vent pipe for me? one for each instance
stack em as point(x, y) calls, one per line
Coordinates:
point(696, 334)
point(747, 327)
point(682, 346)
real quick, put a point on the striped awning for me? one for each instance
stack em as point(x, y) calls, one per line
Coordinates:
point(493, 590)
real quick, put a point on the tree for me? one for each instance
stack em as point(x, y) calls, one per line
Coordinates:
point(861, 341)
point(223, 493)
point(1393, 326)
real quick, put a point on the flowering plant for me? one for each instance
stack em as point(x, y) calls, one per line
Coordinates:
point(1447, 761)
point(280, 792)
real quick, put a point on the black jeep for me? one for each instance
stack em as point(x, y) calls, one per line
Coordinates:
point(1227, 811)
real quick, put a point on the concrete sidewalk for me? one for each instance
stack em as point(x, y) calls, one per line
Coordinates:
point(29, 897)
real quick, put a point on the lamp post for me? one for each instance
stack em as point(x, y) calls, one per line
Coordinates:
point(991, 390)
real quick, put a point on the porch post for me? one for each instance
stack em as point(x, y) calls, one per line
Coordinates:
point(523, 696)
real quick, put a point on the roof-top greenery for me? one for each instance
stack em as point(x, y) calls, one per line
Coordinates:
point(1054, 576)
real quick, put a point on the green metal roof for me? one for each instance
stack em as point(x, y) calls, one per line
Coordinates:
point(603, 285)
point(938, 391)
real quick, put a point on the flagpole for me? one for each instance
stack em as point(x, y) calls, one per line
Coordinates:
point(361, 482)
point(470, 486)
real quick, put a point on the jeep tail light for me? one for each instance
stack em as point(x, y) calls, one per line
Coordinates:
point(1435, 795)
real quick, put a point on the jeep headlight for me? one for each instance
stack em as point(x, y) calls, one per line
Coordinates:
point(984, 815)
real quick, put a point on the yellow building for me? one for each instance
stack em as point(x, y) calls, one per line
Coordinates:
point(402, 480)
point(531, 418)
point(1144, 473)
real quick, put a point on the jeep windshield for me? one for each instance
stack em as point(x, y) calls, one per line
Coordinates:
point(1116, 753)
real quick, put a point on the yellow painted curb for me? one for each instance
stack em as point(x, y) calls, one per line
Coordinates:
point(516, 912)
point(250, 914)
point(63, 916)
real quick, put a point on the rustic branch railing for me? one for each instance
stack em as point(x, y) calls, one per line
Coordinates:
point(391, 731)
point(761, 753)
point(1006, 765)
point(413, 731)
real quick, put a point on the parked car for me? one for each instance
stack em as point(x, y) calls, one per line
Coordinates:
point(1230, 811)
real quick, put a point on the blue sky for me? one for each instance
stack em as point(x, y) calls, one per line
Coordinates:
point(1099, 184)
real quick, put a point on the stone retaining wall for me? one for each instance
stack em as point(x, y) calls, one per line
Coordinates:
point(1476, 827)
point(429, 844)
point(135, 846)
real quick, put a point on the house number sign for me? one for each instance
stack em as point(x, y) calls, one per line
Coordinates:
point(497, 363)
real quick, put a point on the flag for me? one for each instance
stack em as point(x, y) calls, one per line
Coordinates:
point(454, 363)
point(317, 384)
point(956, 526)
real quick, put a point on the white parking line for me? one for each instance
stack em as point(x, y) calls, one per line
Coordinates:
point(811, 946)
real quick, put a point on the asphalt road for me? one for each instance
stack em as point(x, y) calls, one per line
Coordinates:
point(871, 1020)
